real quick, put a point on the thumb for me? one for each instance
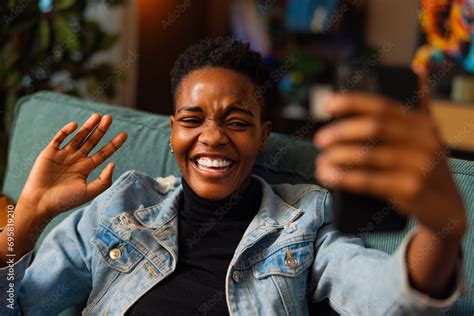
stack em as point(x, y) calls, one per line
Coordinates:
point(100, 184)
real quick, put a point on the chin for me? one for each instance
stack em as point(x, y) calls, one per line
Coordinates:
point(211, 191)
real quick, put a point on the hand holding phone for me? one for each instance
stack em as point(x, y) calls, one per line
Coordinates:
point(356, 212)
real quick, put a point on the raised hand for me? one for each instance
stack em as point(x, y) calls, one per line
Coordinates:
point(58, 179)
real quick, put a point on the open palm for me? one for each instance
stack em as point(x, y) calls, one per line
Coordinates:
point(58, 179)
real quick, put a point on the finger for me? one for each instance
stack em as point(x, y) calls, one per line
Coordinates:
point(86, 128)
point(357, 103)
point(364, 129)
point(96, 135)
point(381, 157)
point(417, 132)
point(388, 185)
point(107, 150)
point(100, 184)
point(64, 132)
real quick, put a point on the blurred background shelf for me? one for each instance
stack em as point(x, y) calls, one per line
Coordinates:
point(456, 124)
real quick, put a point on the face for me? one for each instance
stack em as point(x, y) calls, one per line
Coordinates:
point(217, 131)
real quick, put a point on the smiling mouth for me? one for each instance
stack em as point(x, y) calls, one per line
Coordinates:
point(213, 164)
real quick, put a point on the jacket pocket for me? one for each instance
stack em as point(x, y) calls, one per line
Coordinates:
point(117, 253)
point(290, 260)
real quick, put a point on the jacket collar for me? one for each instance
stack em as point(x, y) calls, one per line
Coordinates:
point(273, 211)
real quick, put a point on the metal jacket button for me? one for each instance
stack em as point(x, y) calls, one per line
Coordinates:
point(115, 253)
point(236, 276)
point(289, 260)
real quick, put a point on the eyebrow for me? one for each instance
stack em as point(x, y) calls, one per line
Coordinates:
point(190, 109)
point(234, 108)
point(230, 109)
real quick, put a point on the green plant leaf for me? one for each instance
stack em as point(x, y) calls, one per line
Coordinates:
point(108, 41)
point(89, 36)
point(13, 80)
point(42, 37)
point(63, 4)
point(8, 57)
point(65, 37)
point(93, 86)
point(115, 2)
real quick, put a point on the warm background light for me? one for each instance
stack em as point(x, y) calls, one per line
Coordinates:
point(166, 28)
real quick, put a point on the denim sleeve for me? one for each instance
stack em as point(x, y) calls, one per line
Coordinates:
point(363, 281)
point(60, 274)
point(57, 278)
point(10, 279)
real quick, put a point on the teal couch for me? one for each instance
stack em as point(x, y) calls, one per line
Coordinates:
point(286, 159)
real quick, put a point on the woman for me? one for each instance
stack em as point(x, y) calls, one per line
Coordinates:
point(220, 240)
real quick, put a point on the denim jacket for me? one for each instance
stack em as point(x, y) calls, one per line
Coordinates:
point(108, 254)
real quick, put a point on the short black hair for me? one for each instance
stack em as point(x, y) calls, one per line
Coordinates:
point(227, 53)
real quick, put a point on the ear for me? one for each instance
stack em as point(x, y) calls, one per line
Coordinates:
point(265, 131)
point(171, 121)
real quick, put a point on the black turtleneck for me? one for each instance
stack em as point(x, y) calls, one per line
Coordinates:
point(208, 234)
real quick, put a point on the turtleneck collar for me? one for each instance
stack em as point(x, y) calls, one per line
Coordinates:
point(238, 206)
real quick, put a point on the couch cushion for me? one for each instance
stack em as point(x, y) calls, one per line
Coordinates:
point(286, 159)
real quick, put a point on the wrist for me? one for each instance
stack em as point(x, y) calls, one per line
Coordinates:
point(25, 226)
point(37, 214)
point(452, 232)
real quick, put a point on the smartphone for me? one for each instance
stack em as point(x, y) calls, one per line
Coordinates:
point(361, 214)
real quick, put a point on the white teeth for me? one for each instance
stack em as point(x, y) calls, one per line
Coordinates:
point(207, 162)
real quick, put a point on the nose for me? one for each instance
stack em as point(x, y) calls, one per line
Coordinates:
point(213, 135)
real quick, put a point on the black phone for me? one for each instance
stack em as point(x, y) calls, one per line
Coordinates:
point(361, 214)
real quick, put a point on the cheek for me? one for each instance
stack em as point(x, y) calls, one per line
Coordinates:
point(247, 146)
point(183, 140)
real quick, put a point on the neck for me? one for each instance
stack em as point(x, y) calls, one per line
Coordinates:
point(243, 203)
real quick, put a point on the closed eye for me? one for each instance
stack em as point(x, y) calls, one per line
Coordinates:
point(190, 121)
point(238, 124)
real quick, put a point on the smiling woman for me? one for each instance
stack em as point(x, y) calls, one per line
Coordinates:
point(218, 127)
point(245, 247)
